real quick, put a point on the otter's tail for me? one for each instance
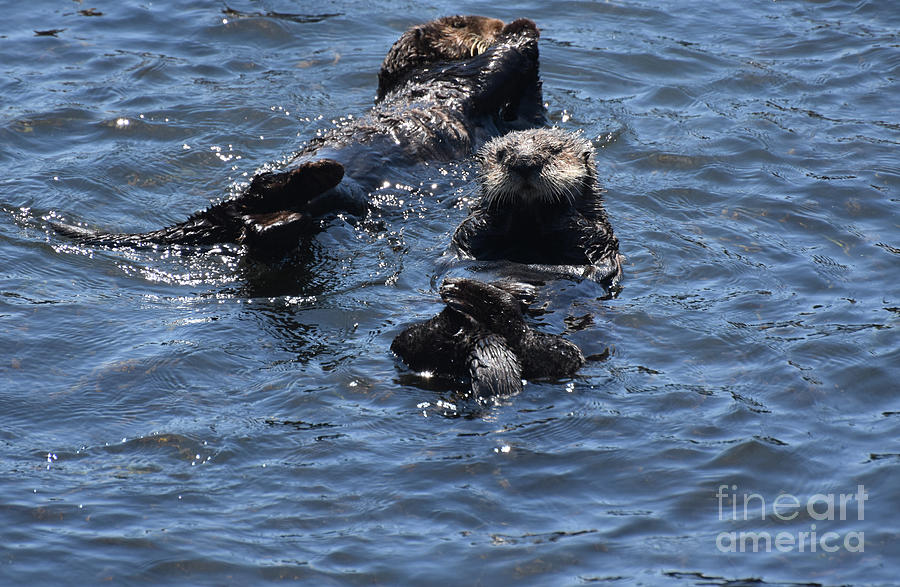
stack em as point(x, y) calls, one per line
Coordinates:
point(269, 217)
point(200, 229)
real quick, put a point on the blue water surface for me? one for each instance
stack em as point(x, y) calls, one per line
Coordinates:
point(191, 418)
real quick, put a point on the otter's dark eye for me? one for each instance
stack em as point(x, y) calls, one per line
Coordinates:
point(458, 24)
point(502, 154)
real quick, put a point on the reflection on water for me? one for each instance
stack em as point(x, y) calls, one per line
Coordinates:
point(181, 416)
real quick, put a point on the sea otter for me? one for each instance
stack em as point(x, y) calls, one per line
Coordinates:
point(541, 206)
point(435, 113)
point(481, 338)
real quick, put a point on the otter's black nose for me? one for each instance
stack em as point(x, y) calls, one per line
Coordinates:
point(526, 166)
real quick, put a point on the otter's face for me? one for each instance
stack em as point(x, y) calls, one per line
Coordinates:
point(458, 37)
point(546, 166)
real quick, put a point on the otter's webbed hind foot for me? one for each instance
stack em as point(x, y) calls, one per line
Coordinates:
point(276, 212)
point(494, 369)
point(269, 217)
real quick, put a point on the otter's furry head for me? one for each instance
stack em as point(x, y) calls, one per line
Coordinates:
point(545, 166)
point(445, 39)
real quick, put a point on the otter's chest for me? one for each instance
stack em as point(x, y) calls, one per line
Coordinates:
point(533, 239)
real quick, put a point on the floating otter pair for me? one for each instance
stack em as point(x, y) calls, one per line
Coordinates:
point(435, 102)
point(428, 109)
point(540, 207)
